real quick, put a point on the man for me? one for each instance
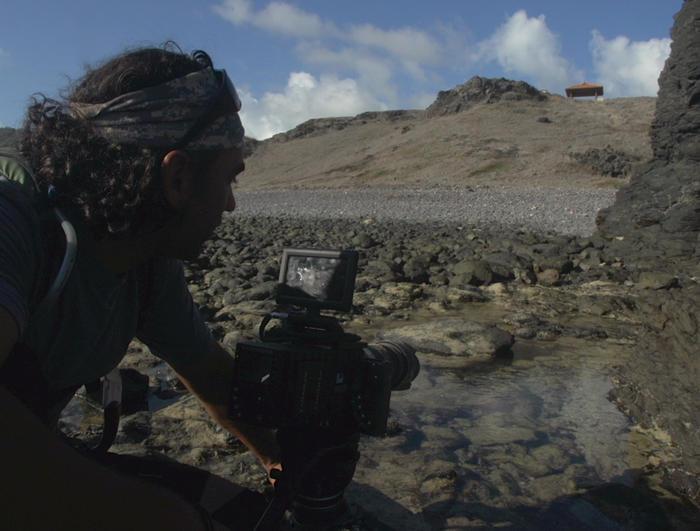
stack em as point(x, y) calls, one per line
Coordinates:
point(140, 158)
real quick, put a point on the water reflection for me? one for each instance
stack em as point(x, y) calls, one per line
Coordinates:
point(520, 431)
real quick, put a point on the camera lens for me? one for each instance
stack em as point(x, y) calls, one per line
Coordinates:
point(402, 358)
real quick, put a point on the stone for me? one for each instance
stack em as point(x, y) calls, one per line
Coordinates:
point(453, 337)
point(471, 272)
point(416, 268)
point(656, 280)
point(549, 277)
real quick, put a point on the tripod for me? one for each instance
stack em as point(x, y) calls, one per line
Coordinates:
point(317, 466)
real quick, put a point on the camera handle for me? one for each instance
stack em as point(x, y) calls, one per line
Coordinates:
point(317, 465)
point(308, 326)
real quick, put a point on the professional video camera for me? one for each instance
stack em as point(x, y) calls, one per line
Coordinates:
point(318, 385)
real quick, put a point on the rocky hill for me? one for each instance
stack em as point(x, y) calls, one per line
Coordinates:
point(482, 90)
point(485, 132)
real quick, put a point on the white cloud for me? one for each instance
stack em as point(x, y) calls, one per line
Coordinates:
point(290, 20)
point(407, 47)
point(525, 46)
point(628, 68)
point(304, 97)
point(410, 48)
point(373, 73)
point(276, 17)
point(235, 11)
point(411, 45)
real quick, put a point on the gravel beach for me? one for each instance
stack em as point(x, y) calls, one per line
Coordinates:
point(560, 210)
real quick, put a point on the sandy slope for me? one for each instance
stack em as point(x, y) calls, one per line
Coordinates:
point(505, 143)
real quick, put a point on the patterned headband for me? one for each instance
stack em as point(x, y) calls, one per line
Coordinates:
point(162, 115)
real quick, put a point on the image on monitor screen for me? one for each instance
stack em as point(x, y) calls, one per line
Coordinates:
point(317, 278)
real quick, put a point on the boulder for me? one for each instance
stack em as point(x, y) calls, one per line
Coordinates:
point(453, 337)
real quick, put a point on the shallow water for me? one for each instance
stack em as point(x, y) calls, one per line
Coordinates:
point(479, 437)
point(475, 441)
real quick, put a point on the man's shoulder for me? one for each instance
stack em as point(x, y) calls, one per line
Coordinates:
point(15, 192)
point(17, 207)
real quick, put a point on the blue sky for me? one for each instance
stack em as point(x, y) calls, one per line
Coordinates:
point(295, 60)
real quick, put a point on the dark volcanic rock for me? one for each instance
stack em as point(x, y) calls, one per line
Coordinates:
point(674, 132)
point(319, 126)
point(660, 208)
point(654, 228)
point(606, 161)
point(482, 90)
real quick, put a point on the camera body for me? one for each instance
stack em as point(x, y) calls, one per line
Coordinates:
point(292, 384)
point(308, 373)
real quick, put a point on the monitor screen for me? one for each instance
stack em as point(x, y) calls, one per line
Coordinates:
point(317, 278)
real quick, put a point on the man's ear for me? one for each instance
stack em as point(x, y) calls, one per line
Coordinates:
point(176, 177)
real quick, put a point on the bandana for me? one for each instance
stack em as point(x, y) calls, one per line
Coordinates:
point(159, 116)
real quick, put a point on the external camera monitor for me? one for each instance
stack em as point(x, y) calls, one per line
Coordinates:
point(317, 278)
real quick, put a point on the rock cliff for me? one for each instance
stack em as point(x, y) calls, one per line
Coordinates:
point(658, 213)
point(654, 225)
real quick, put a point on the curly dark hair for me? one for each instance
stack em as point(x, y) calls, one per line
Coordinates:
point(116, 188)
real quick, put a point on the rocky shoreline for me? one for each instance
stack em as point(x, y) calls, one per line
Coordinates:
point(475, 293)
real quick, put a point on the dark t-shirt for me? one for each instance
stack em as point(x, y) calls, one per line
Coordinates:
point(87, 331)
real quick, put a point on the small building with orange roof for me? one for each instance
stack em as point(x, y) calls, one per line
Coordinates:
point(585, 90)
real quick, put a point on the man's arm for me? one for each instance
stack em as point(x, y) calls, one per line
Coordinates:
point(210, 379)
point(49, 485)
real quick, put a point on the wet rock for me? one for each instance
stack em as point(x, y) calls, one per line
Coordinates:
point(550, 457)
point(380, 271)
point(613, 506)
point(505, 264)
point(453, 337)
point(524, 325)
point(416, 268)
point(656, 280)
point(471, 272)
point(396, 296)
point(588, 259)
point(549, 277)
point(450, 296)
